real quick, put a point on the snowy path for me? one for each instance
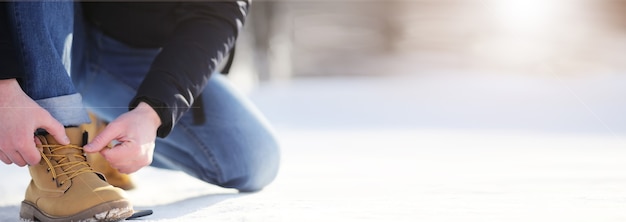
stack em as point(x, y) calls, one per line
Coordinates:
point(446, 148)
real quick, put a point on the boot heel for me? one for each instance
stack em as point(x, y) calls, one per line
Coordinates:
point(27, 212)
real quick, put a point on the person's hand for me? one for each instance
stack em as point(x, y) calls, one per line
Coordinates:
point(136, 132)
point(20, 117)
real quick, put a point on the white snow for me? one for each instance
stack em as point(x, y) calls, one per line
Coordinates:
point(441, 146)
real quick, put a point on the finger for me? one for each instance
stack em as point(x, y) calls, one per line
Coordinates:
point(129, 169)
point(113, 158)
point(4, 158)
point(37, 141)
point(122, 152)
point(103, 139)
point(124, 158)
point(16, 158)
point(31, 154)
point(54, 128)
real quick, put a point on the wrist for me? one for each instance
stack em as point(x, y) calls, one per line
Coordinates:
point(162, 110)
point(149, 112)
point(9, 88)
point(8, 85)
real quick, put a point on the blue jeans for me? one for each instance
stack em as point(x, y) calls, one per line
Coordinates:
point(43, 37)
point(234, 148)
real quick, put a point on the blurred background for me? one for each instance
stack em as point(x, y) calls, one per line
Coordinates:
point(551, 65)
point(442, 110)
point(292, 39)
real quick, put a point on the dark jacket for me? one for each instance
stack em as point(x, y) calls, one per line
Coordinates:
point(193, 36)
point(8, 54)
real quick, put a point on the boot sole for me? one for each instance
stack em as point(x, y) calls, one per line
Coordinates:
point(106, 212)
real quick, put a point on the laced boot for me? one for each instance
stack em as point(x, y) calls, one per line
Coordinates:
point(97, 161)
point(65, 188)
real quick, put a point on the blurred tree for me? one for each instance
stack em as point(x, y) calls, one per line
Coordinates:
point(270, 28)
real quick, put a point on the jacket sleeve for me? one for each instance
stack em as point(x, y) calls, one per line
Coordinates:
point(204, 34)
point(9, 68)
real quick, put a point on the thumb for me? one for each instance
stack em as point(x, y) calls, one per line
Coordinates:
point(56, 129)
point(101, 140)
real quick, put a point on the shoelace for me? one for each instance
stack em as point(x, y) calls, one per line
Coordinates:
point(72, 168)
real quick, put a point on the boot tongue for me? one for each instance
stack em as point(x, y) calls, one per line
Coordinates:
point(76, 138)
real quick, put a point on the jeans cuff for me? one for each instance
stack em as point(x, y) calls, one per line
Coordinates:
point(68, 109)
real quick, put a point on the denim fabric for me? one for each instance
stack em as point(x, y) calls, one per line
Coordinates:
point(43, 34)
point(235, 148)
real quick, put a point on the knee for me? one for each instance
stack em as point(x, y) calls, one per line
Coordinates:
point(258, 170)
point(254, 179)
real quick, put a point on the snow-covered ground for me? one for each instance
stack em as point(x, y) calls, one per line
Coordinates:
point(442, 146)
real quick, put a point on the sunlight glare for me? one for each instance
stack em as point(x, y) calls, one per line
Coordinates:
point(527, 15)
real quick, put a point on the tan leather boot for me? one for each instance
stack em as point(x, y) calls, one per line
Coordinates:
point(97, 161)
point(65, 188)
